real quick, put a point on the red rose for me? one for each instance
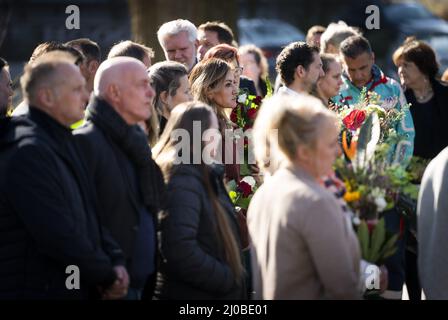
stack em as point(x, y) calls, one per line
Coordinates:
point(354, 119)
point(233, 116)
point(252, 113)
point(371, 224)
point(257, 100)
point(245, 188)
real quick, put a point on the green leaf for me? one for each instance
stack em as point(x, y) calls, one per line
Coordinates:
point(378, 239)
point(244, 202)
point(269, 90)
point(389, 253)
point(363, 238)
point(244, 169)
point(389, 248)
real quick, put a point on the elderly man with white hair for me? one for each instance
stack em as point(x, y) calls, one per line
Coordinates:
point(178, 39)
point(117, 155)
point(333, 36)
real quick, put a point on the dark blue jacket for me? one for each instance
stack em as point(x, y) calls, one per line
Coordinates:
point(119, 162)
point(47, 217)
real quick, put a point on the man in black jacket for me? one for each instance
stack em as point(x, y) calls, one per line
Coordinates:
point(116, 152)
point(51, 245)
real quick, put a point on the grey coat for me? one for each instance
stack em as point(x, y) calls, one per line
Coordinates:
point(432, 215)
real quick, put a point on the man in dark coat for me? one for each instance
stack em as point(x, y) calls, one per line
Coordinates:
point(51, 245)
point(116, 151)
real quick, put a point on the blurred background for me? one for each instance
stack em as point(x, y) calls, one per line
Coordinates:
point(266, 23)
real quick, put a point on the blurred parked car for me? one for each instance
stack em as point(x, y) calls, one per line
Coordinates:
point(400, 19)
point(410, 18)
point(270, 35)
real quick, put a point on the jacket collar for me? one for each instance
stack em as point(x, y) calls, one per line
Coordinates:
point(378, 77)
point(216, 170)
point(49, 124)
point(17, 128)
point(104, 116)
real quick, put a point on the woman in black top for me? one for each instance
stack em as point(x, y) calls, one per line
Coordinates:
point(428, 97)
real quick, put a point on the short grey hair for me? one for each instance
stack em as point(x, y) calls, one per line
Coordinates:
point(174, 27)
point(335, 34)
point(44, 72)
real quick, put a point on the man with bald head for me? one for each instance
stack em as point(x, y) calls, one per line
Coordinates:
point(49, 223)
point(118, 157)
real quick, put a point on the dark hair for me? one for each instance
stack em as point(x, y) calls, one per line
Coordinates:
point(225, 34)
point(88, 47)
point(132, 49)
point(259, 57)
point(354, 46)
point(420, 53)
point(3, 63)
point(293, 55)
point(49, 46)
point(327, 59)
point(184, 116)
point(317, 29)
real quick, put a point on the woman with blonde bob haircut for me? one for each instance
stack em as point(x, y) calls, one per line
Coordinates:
point(200, 245)
point(303, 245)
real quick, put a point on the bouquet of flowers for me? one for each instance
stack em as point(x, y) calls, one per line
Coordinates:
point(372, 187)
point(244, 116)
point(373, 184)
point(246, 110)
point(352, 117)
point(242, 192)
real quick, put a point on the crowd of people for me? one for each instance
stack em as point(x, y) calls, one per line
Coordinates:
point(104, 166)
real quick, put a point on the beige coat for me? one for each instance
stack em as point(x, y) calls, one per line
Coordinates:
point(302, 244)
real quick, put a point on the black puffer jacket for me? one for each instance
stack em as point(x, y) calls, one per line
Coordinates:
point(436, 131)
point(192, 264)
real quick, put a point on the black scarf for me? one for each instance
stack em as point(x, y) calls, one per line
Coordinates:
point(133, 142)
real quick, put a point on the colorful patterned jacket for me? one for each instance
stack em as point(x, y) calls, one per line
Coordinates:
point(389, 90)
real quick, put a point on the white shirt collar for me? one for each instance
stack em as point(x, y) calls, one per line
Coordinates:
point(286, 90)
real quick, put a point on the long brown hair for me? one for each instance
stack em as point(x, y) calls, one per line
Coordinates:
point(206, 76)
point(183, 117)
point(420, 53)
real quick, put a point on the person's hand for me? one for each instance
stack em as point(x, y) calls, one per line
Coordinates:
point(119, 288)
point(384, 278)
point(122, 275)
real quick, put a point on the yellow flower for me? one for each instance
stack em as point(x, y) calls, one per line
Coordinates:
point(352, 196)
point(233, 196)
